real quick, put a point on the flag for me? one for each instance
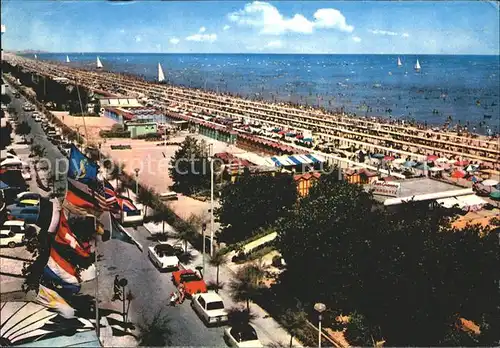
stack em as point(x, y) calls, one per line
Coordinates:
point(58, 283)
point(87, 196)
point(116, 231)
point(67, 238)
point(81, 167)
point(51, 299)
point(125, 203)
point(100, 195)
point(110, 192)
point(48, 218)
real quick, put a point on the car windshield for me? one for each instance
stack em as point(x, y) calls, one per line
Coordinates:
point(243, 334)
point(164, 250)
point(189, 277)
point(215, 305)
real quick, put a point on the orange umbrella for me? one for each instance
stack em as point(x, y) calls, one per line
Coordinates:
point(458, 174)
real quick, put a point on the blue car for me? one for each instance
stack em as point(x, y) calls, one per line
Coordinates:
point(28, 214)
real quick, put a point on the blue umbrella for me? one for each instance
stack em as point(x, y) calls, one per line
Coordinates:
point(378, 156)
point(409, 164)
point(3, 185)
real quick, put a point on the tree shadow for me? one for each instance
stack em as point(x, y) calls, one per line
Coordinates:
point(186, 258)
point(212, 285)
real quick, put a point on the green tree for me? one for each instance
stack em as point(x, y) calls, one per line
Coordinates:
point(217, 260)
point(163, 214)
point(146, 197)
point(114, 171)
point(247, 283)
point(254, 202)
point(238, 317)
point(387, 264)
point(23, 129)
point(156, 331)
point(358, 332)
point(294, 322)
point(190, 167)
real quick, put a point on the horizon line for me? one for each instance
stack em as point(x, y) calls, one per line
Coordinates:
point(28, 51)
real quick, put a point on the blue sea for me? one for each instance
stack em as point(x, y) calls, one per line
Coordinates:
point(465, 88)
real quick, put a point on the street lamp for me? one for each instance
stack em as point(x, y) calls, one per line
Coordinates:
point(211, 159)
point(123, 283)
point(320, 308)
point(99, 143)
point(203, 229)
point(136, 182)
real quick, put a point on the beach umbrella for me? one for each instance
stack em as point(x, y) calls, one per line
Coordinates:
point(436, 169)
point(442, 160)
point(432, 158)
point(389, 158)
point(495, 195)
point(472, 168)
point(378, 156)
point(490, 182)
point(399, 161)
point(461, 163)
point(474, 179)
point(422, 166)
point(458, 174)
point(3, 185)
point(409, 164)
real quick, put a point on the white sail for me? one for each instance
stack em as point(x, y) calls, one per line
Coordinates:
point(36, 57)
point(417, 65)
point(399, 62)
point(161, 76)
point(67, 59)
point(99, 64)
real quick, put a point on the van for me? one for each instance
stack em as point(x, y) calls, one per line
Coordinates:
point(169, 196)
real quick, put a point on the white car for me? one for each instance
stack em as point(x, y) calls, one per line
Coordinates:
point(12, 233)
point(243, 336)
point(210, 308)
point(38, 119)
point(164, 256)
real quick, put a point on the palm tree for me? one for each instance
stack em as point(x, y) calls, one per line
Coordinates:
point(219, 259)
point(163, 214)
point(247, 284)
point(114, 171)
point(155, 332)
point(294, 322)
point(146, 198)
point(238, 317)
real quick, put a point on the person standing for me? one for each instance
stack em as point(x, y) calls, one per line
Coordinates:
point(117, 289)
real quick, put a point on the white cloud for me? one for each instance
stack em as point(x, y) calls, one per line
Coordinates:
point(138, 38)
point(202, 37)
point(274, 44)
point(405, 35)
point(202, 30)
point(356, 39)
point(269, 20)
point(332, 18)
point(226, 27)
point(383, 32)
point(174, 41)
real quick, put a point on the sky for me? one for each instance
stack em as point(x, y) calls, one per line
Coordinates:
point(305, 27)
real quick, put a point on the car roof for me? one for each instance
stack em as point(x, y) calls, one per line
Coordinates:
point(211, 297)
point(14, 223)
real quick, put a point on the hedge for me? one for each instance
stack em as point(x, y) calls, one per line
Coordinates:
point(111, 134)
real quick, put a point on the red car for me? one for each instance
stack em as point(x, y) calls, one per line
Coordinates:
point(191, 280)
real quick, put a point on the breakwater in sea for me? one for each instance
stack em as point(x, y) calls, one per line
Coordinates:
point(460, 89)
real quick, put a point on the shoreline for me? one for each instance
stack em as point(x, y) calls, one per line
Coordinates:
point(332, 106)
point(198, 101)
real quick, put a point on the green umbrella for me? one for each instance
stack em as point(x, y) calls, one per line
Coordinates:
point(495, 195)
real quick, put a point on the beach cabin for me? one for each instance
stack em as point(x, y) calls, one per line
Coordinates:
point(138, 129)
point(305, 181)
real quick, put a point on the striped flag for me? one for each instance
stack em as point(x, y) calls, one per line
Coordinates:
point(126, 204)
point(51, 299)
point(110, 193)
point(48, 218)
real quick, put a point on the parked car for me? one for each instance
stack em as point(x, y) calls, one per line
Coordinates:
point(13, 233)
point(191, 280)
point(210, 308)
point(38, 119)
point(242, 336)
point(17, 95)
point(28, 195)
point(164, 256)
point(28, 214)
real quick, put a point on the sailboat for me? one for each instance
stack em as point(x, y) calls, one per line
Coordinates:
point(67, 59)
point(399, 62)
point(36, 57)
point(99, 64)
point(417, 66)
point(161, 76)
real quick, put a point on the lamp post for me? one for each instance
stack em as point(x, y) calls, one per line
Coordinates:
point(136, 182)
point(203, 229)
point(320, 308)
point(211, 159)
point(99, 143)
point(123, 283)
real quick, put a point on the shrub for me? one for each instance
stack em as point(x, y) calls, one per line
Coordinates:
point(112, 134)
